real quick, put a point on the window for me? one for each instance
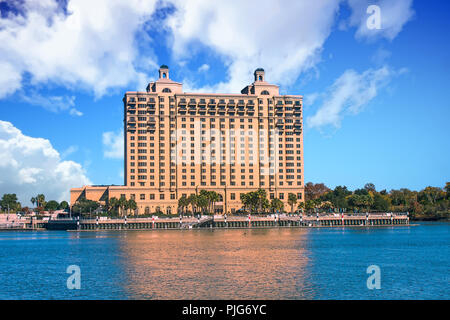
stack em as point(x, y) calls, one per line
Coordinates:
point(166, 89)
point(265, 92)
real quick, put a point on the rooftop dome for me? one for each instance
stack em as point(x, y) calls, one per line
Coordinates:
point(163, 66)
point(259, 69)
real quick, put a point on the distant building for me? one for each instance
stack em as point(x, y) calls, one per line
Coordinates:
point(179, 143)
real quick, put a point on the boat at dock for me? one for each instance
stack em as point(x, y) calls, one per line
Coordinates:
point(62, 222)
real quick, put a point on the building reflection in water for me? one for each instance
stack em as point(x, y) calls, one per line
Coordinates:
point(216, 264)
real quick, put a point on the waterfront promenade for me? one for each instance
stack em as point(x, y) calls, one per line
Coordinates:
point(259, 221)
point(219, 221)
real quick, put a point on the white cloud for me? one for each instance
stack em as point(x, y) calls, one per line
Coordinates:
point(75, 112)
point(94, 46)
point(349, 94)
point(29, 166)
point(10, 78)
point(285, 38)
point(203, 68)
point(113, 145)
point(70, 150)
point(53, 103)
point(394, 15)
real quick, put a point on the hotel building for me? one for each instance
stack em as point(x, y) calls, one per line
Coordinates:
point(179, 143)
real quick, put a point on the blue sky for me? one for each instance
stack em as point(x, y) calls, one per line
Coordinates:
point(376, 107)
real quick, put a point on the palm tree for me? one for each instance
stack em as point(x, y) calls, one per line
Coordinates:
point(131, 204)
point(193, 202)
point(292, 200)
point(33, 200)
point(214, 197)
point(122, 204)
point(113, 203)
point(261, 195)
point(276, 205)
point(301, 206)
point(40, 198)
point(202, 202)
point(205, 194)
point(245, 199)
point(183, 203)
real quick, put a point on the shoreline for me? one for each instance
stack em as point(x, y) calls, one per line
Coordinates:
point(219, 228)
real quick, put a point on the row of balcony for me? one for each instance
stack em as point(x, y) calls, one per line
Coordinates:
point(213, 102)
point(149, 128)
point(230, 110)
point(288, 102)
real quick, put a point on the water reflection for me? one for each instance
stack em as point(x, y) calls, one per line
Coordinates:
point(217, 264)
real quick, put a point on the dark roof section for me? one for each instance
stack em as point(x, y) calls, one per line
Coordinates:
point(163, 66)
point(259, 69)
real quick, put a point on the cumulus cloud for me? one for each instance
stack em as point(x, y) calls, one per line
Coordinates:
point(113, 145)
point(105, 44)
point(89, 44)
point(29, 166)
point(285, 38)
point(349, 94)
point(394, 15)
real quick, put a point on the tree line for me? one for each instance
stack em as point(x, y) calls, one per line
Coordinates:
point(430, 202)
point(204, 202)
point(10, 202)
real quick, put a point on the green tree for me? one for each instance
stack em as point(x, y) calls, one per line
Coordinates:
point(40, 199)
point(10, 201)
point(381, 203)
point(202, 202)
point(292, 200)
point(447, 190)
point(84, 206)
point(33, 200)
point(276, 205)
point(63, 205)
point(213, 198)
point(193, 202)
point(52, 205)
point(122, 204)
point(370, 187)
point(183, 203)
point(245, 200)
point(113, 205)
point(132, 205)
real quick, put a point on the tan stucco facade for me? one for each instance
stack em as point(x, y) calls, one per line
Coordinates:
point(179, 143)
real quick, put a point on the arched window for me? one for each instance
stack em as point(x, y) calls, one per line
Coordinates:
point(164, 75)
point(260, 78)
point(220, 198)
point(265, 92)
point(166, 90)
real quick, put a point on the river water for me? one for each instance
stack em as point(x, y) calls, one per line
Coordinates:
point(325, 263)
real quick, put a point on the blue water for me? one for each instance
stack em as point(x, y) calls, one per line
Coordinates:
point(327, 263)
